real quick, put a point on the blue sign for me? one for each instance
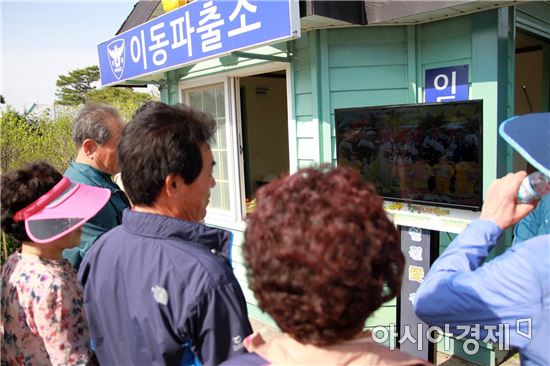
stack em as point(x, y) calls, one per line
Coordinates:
point(447, 84)
point(197, 31)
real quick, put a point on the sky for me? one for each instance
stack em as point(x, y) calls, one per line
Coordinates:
point(41, 40)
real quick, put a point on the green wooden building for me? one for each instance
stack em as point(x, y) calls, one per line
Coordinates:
point(274, 104)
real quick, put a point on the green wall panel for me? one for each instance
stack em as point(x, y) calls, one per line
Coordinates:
point(492, 81)
point(302, 104)
point(350, 99)
point(444, 43)
point(385, 315)
point(306, 130)
point(305, 163)
point(444, 29)
point(302, 42)
point(333, 148)
point(368, 78)
point(301, 59)
point(307, 148)
point(249, 296)
point(302, 82)
point(441, 50)
point(366, 67)
point(304, 127)
point(240, 270)
point(381, 35)
point(367, 54)
point(237, 255)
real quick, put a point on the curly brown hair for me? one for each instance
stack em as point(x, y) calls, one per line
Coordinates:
point(22, 187)
point(321, 253)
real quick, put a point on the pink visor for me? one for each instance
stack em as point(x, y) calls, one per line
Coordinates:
point(63, 209)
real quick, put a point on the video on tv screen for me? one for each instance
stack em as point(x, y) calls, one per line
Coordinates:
point(421, 153)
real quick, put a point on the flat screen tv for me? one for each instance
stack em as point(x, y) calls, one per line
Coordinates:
point(418, 153)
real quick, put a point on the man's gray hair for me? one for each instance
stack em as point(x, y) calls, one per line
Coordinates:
point(91, 123)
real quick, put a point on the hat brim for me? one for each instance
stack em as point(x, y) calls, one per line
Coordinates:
point(529, 135)
point(71, 209)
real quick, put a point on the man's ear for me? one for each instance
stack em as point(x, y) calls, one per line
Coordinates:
point(89, 146)
point(172, 184)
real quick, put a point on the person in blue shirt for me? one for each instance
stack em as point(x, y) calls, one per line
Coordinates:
point(511, 290)
point(96, 132)
point(159, 289)
point(511, 293)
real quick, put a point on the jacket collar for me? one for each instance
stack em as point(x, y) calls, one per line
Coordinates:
point(94, 176)
point(216, 240)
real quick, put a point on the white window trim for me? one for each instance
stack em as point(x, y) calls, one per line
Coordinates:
point(232, 172)
point(235, 220)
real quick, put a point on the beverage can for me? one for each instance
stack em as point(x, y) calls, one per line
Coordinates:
point(534, 186)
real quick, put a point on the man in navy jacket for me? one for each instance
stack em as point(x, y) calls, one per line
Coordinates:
point(159, 289)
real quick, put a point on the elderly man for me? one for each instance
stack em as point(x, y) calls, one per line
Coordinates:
point(159, 289)
point(96, 132)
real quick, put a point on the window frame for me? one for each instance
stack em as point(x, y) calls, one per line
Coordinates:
point(236, 218)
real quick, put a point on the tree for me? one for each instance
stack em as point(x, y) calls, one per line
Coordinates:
point(30, 137)
point(73, 87)
point(26, 138)
point(125, 100)
point(13, 139)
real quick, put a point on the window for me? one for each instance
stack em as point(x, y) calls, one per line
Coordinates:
point(211, 99)
point(251, 144)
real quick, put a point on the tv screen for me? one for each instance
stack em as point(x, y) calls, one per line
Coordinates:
point(421, 153)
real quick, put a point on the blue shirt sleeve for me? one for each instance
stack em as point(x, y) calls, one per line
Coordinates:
point(459, 290)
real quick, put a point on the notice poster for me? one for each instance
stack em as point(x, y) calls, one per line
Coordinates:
point(420, 248)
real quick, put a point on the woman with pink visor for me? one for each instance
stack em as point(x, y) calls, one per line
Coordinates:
point(42, 313)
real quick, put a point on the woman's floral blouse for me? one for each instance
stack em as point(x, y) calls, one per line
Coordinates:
point(43, 320)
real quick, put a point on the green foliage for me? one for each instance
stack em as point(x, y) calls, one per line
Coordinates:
point(13, 127)
point(125, 100)
point(76, 89)
point(27, 138)
point(73, 87)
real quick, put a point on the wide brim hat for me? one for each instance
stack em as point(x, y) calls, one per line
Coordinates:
point(529, 135)
point(63, 209)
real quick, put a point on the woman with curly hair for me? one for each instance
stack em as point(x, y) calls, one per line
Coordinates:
point(42, 318)
point(321, 256)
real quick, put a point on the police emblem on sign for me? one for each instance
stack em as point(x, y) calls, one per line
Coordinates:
point(117, 56)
